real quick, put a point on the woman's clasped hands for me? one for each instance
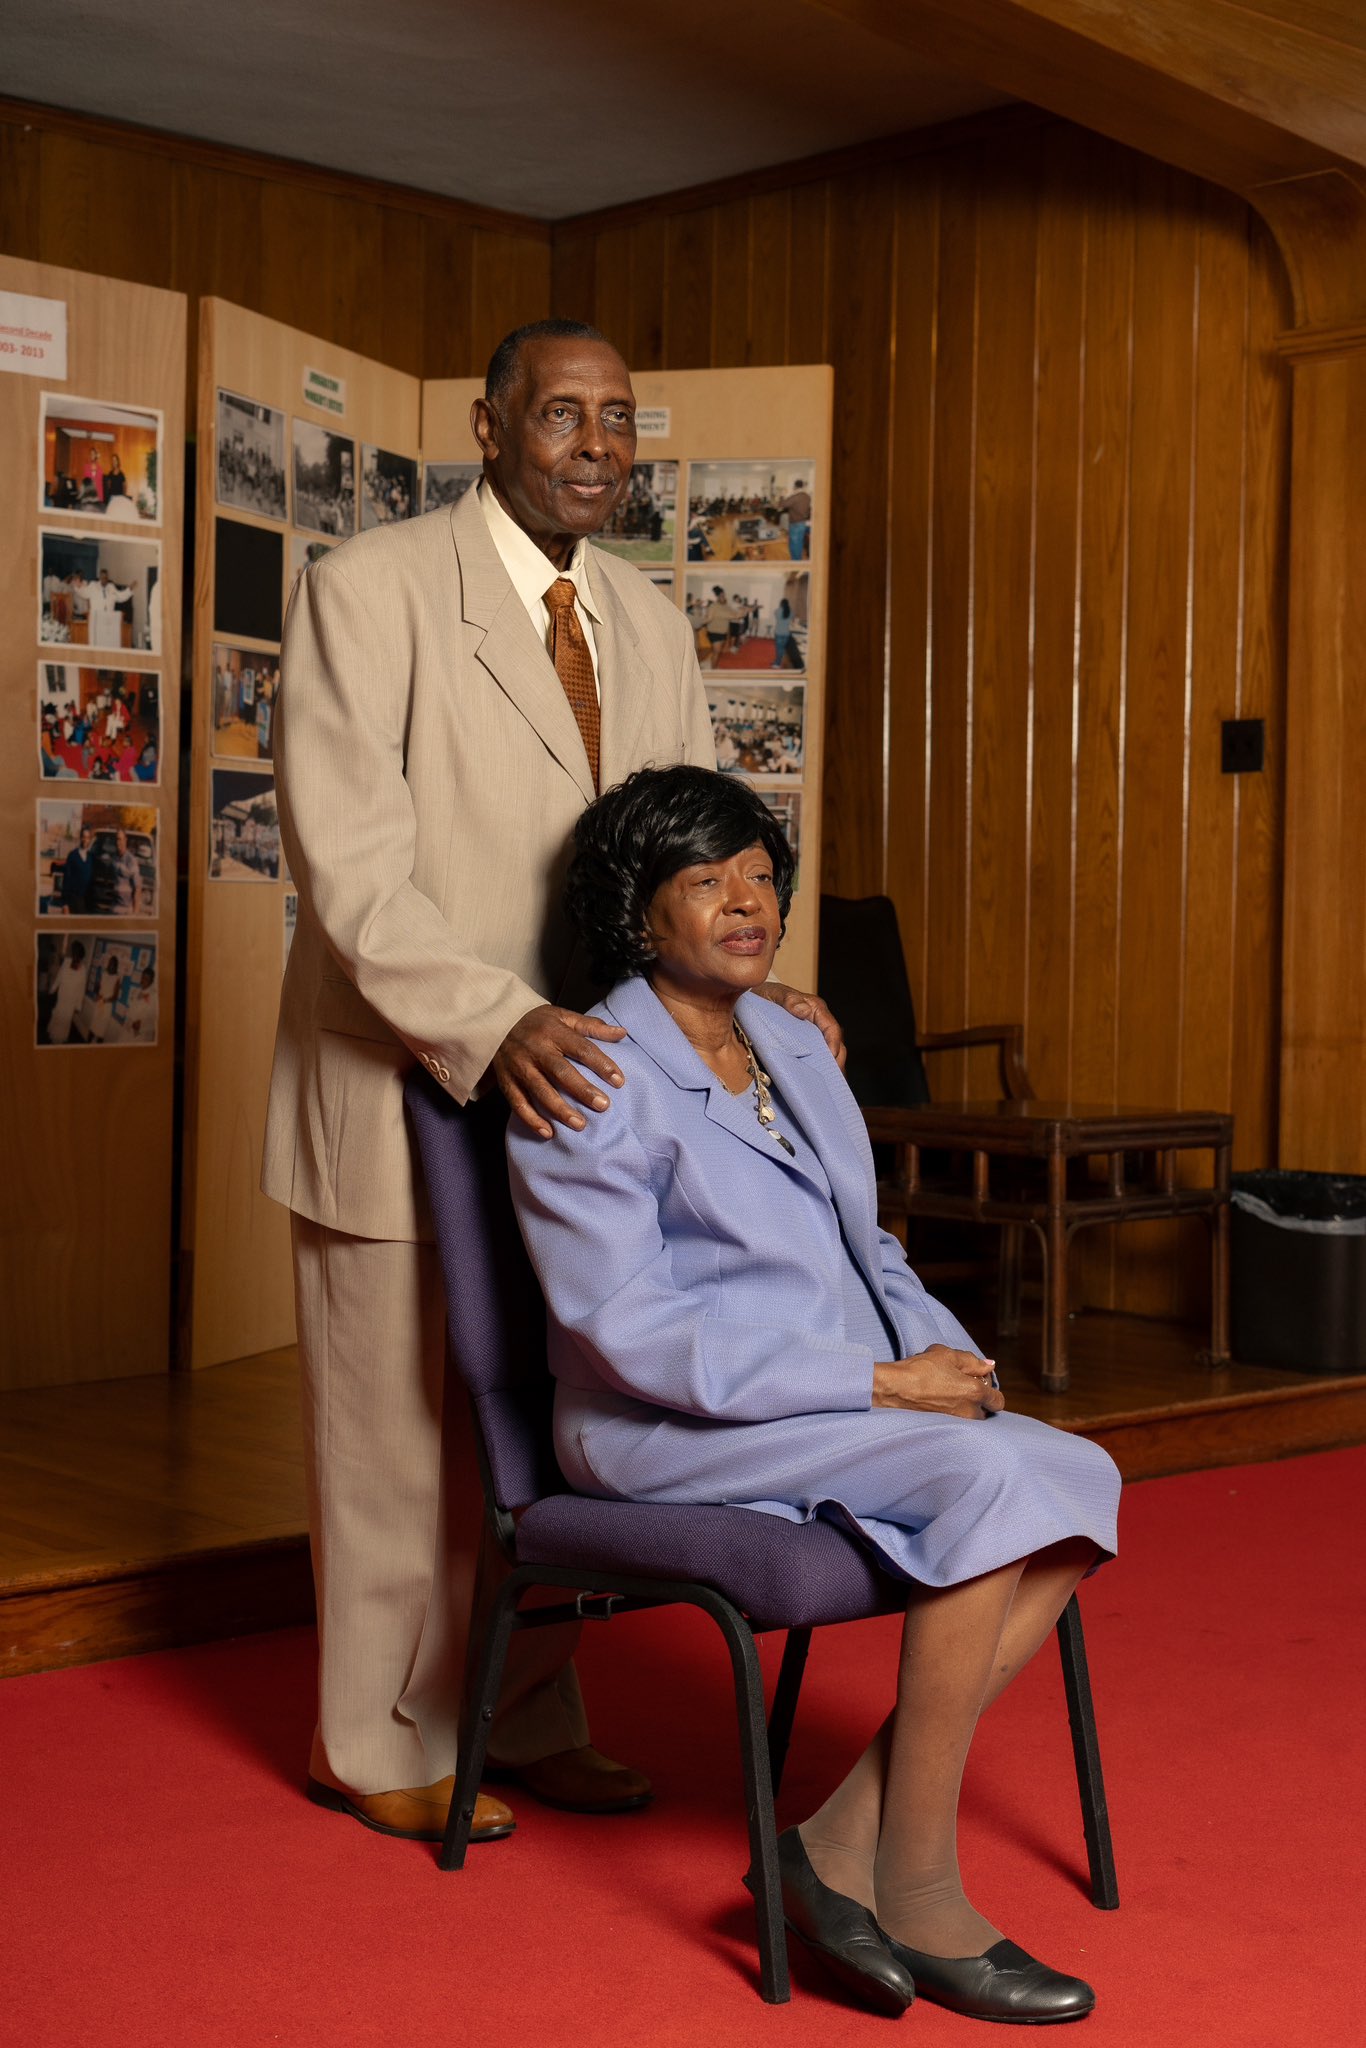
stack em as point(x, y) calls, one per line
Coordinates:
point(941, 1381)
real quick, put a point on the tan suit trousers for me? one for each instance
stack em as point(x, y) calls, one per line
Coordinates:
point(396, 1524)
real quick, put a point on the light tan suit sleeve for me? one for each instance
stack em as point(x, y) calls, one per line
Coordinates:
point(349, 830)
point(699, 739)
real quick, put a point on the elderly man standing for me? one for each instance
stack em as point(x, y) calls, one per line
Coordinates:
point(455, 690)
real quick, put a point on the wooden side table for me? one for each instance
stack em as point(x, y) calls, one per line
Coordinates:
point(1054, 1133)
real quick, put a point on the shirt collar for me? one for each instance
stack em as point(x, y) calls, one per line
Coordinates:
point(532, 575)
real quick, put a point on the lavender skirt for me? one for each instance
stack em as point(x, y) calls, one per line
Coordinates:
point(939, 1499)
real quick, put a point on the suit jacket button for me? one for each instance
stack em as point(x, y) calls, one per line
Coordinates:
point(442, 1073)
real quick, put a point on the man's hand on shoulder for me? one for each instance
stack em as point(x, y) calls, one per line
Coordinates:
point(812, 1009)
point(534, 1066)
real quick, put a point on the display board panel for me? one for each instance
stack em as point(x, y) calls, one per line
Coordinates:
point(727, 461)
point(92, 431)
point(300, 445)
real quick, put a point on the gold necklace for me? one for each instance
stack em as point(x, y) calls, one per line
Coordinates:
point(763, 1101)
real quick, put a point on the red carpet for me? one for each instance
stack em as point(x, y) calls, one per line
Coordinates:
point(168, 1885)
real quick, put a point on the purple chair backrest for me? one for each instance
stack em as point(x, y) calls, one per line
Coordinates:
point(495, 1310)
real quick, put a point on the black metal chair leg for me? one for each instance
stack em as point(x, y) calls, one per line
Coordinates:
point(483, 1680)
point(785, 1698)
point(774, 1984)
point(1081, 1715)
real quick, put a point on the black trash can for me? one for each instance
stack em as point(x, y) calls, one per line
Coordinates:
point(1298, 1282)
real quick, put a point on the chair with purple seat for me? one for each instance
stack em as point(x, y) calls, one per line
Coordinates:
point(750, 1572)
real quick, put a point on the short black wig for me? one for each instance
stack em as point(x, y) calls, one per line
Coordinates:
point(640, 834)
point(501, 374)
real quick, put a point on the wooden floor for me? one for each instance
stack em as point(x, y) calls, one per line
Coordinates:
point(140, 1513)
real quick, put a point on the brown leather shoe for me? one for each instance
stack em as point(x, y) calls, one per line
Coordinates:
point(417, 1815)
point(580, 1780)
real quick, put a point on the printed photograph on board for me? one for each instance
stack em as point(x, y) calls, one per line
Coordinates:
point(445, 483)
point(754, 618)
point(749, 511)
point(104, 460)
point(303, 549)
point(96, 590)
point(758, 727)
point(98, 724)
point(244, 828)
point(290, 899)
point(388, 487)
point(663, 580)
point(97, 860)
point(786, 806)
point(642, 527)
point(248, 580)
point(96, 991)
point(245, 687)
point(250, 440)
point(324, 480)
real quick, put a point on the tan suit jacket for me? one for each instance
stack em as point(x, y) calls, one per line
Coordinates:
point(429, 775)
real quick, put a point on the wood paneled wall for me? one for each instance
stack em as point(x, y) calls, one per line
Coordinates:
point(1060, 492)
point(1060, 481)
point(420, 283)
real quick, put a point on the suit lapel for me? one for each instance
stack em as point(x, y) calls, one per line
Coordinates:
point(509, 648)
point(635, 1005)
point(624, 681)
point(829, 1120)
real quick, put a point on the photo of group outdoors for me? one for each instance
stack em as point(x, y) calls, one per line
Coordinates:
point(758, 727)
point(245, 687)
point(786, 806)
point(97, 860)
point(749, 511)
point(302, 551)
point(100, 459)
point(388, 487)
point(98, 724)
point(244, 828)
point(324, 480)
point(98, 591)
point(756, 620)
point(642, 527)
point(445, 483)
point(251, 456)
point(96, 991)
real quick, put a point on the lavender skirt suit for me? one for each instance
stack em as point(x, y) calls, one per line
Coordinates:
point(716, 1308)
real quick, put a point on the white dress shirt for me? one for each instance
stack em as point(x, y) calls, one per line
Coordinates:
point(532, 575)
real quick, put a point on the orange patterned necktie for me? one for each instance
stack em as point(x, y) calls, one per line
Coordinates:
point(574, 666)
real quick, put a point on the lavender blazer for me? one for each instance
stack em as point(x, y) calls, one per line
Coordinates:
point(687, 1262)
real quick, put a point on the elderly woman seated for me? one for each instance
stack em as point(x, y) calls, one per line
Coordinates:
point(729, 1325)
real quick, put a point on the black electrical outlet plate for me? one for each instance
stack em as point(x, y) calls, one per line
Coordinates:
point(1243, 751)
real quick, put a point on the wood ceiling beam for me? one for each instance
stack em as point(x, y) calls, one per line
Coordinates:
point(1237, 91)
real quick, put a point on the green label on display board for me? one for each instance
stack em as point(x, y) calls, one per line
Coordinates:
point(327, 394)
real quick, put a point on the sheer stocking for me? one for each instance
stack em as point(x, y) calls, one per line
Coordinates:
point(949, 1647)
point(887, 1835)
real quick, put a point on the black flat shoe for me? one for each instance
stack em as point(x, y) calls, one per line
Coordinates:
point(841, 1932)
point(1003, 1984)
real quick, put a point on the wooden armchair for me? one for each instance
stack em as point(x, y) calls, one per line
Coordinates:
point(863, 978)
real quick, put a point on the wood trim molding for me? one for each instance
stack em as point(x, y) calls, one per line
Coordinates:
point(997, 124)
point(1319, 222)
point(221, 156)
point(1302, 344)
